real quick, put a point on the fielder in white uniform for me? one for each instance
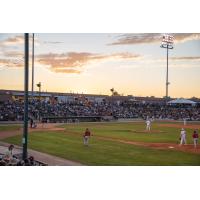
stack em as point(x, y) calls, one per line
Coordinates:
point(183, 137)
point(148, 125)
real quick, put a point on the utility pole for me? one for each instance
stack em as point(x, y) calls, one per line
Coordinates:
point(167, 43)
point(26, 68)
point(33, 46)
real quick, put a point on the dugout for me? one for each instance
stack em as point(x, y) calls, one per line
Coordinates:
point(72, 119)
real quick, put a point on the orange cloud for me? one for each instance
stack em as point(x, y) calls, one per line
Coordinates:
point(17, 40)
point(66, 71)
point(14, 54)
point(11, 63)
point(73, 62)
point(12, 59)
point(128, 39)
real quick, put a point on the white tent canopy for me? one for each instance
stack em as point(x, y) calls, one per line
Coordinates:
point(182, 101)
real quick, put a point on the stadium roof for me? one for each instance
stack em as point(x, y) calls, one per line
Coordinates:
point(181, 101)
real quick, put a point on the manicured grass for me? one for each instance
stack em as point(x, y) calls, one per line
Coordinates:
point(101, 152)
point(9, 127)
point(131, 131)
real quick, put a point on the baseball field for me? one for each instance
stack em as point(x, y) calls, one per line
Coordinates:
point(111, 143)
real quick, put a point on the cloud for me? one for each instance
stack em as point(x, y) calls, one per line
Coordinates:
point(12, 53)
point(70, 63)
point(183, 37)
point(12, 59)
point(73, 62)
point(17, 41)
point(18, 54)
point(66, 71)
point(174, 62)
point(186, 58)
point(143, 38)
point(176, 59)
point(52, 42)
point(11, 63)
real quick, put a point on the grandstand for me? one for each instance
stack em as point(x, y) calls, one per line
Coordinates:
point(69, 107)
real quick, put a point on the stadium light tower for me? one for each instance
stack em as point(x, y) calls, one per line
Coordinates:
point(167, 43)
point(33, 48)
point(26, 68)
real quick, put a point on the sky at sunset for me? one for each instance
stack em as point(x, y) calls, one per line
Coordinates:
point(134, 64)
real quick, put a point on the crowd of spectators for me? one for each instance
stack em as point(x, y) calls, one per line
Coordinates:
point(159, 111)
point(14, 110)
point(11, 159)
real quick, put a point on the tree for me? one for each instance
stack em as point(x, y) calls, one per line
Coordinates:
point(114, 92)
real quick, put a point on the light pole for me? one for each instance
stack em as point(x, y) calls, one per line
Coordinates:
point(39, 85)
point(33, 46)
point(167, 43)
point(25, 130)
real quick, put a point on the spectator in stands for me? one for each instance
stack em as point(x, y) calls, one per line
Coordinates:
point(14, 111)
point(20, 163)
point(9, 153)
point(2, 163)
point(31, 160)
point(26, 162)
point(8, 157)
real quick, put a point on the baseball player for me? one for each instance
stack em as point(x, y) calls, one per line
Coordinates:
point(148, 125)
point(183, 137)
point(195, 138)
point(86, 137)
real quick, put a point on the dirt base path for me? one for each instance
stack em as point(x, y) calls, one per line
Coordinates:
point(47, 127)
point(40, 127)
point(184, 148)
point(5, 134)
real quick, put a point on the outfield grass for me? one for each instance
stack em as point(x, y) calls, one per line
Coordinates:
point(131, 131)
point(100, 152)
point(9, 127)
